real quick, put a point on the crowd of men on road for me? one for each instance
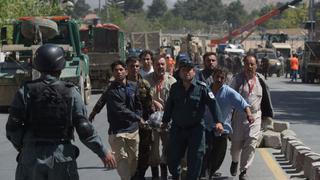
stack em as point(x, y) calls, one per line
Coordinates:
point(192, 113)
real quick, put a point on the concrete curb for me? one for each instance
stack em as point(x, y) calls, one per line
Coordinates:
point(276, 134)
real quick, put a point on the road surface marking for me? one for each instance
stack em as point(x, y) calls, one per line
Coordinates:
point(272, 164)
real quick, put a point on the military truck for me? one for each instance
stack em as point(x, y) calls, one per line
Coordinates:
point(310, 62)
point(28, 35)
point(104, 44)
point(275, 66)
point(156, 41)
point(146, 40)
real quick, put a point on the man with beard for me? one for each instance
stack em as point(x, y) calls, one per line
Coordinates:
point(185, 107)
point(145, 133)
point(245, 135)
point(160, 82)
point(228, 99)
point(210, 63)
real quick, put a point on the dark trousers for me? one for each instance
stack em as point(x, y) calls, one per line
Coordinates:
point(181, 140)
point(216, 147)
point(41, 171)
point(294, 75)
point(145, 143)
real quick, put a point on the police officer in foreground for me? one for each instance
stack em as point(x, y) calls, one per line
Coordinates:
point(181, 58)
point(42, 119)
point(185, 107)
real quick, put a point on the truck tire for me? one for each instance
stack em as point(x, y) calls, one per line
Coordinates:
point(278, 73)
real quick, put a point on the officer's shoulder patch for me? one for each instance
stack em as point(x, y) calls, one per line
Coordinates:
point(202, 83)
point(211, 95)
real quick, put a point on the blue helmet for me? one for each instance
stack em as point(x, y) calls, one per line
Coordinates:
point(184, 60)
point(182, 57)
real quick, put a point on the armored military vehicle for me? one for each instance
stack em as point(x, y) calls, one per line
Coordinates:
point(104, 44)
point(310, 62)
point(29, 33)
point(275, 66)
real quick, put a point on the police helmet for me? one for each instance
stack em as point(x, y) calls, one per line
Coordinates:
point(49, 58)
point(188, 64)
point(182, 57)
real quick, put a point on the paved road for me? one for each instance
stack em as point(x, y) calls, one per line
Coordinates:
point(298, 104)
point(293, 102)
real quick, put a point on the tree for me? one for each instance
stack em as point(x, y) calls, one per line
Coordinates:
point(172, 22)
point(115, 16)
point(133, 6)
point(81, 8)
point(235, 14)
point(137, 22)
point(157, 9)
point(209, 11)
point(10, 10)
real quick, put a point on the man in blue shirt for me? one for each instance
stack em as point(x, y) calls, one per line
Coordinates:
point(185, 106)
point(228, 99)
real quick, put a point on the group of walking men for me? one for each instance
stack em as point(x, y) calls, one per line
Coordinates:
point(191, 113)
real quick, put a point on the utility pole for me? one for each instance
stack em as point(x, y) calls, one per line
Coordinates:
point(107, 4)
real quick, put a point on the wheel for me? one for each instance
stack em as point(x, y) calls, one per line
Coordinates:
point(278, 73)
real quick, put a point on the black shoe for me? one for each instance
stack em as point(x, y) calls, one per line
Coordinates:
point(233, 168)
point(155, 172)
point(175, 177)
point(243, 175)
point(164, 171)
point(140, 173)
point(217, 174)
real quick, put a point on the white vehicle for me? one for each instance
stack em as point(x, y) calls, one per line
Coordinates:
point(234, 49)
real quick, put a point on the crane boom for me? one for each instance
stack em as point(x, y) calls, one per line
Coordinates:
point(254, 23)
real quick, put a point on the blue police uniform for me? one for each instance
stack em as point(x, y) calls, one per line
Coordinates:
point(186, 109)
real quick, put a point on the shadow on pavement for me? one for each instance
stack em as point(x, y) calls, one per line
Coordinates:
point(4, 109)
point(297, 106)
point(222, 178)
point(287, 166)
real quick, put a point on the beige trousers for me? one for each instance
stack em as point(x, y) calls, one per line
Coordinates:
point(244, 140)
point(156, 158)
point(125, 146)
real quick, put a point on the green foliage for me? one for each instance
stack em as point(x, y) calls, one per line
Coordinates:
point(208, 11)
point(133, 6)
point(13, 9)
point(157, 9)
point(116, 16)
point(137, 22)
point(171, 22)
point(81, 8)
point(235, 14)
point(290, 18)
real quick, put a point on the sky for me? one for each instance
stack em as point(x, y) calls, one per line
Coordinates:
point(95, 3)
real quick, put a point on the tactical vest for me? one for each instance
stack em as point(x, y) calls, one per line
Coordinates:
point(50, 109)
